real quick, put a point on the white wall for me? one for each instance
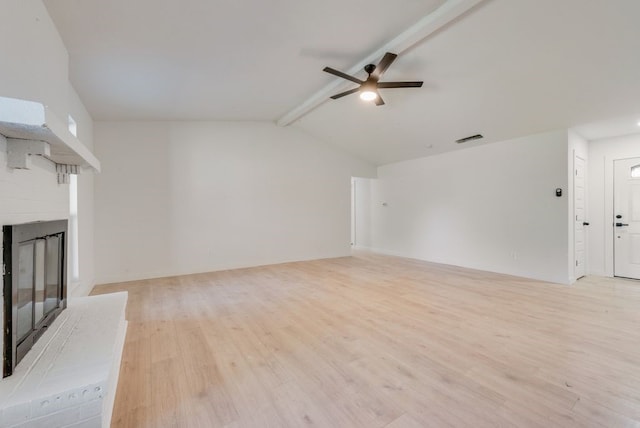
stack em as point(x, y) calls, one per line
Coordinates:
point(602, 153)
point(33, 58)
point(491, 207)
point(186, 197)
point(577, 146)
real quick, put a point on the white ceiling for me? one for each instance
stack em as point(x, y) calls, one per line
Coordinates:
point(507, 68)
point(217, 59)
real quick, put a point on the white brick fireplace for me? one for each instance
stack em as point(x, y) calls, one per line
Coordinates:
point(69, 376)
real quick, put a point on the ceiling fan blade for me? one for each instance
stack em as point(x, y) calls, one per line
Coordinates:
point(343, 75)
point(399, 84)
point(379, 100)
point(384, 63)
point(345, 93)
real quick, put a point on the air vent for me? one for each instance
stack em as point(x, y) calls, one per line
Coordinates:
point(471, 138)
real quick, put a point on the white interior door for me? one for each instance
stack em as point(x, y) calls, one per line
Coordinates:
point(579, 203)
point(626, 205)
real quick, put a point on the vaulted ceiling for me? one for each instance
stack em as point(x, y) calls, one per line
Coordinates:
point(505, 68)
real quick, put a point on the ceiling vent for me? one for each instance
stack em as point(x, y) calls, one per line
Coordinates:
point(471, 138)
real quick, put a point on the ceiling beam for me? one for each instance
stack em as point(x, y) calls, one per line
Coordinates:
point(422, 29)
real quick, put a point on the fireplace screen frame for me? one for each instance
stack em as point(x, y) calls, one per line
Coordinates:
point(41, 236)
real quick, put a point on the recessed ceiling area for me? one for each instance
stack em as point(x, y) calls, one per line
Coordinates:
point(504, 69)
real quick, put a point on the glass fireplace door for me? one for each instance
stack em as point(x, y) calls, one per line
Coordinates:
point(38, 283)
point(34, 285)
point(38, 293)
point(53, 276)
point(25, 289)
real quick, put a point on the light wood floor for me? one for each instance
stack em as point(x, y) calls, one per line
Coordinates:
point(375, 341)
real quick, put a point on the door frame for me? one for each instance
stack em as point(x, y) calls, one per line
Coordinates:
point(613, 211)
point(609, 193)
point(585, 217)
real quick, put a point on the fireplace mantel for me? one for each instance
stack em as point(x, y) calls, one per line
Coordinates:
point(32, 128)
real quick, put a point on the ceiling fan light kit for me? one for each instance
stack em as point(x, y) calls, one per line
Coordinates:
point(367, 95)
point(369, 88)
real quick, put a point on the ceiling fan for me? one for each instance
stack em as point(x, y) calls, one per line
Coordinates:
point(369, 88)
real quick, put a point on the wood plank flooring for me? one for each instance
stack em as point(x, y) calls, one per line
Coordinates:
point(376, 341)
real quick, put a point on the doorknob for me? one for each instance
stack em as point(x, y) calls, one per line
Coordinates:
point(621, 224)
point(585, 223)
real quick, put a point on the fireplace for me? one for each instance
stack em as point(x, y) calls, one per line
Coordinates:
point(35, 291)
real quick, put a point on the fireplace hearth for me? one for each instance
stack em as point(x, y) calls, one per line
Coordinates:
point(35, 291)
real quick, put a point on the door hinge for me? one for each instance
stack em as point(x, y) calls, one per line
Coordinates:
point(576, 263)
